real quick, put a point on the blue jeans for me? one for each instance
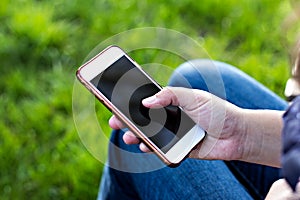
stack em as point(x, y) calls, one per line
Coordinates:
point(195, 179)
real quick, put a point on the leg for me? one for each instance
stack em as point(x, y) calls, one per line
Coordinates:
point(226, 82)
point(193, 178)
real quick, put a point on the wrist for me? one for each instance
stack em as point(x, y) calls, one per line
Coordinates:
point(239, 131)
point(261, 136)
point(247, 140)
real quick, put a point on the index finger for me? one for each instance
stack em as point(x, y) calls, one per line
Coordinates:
point(115, 123)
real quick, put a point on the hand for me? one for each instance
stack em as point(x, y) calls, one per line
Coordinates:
point(281, 190)
point(219, 118)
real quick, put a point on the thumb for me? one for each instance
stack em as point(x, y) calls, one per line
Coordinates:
point(177, 96)
point(161, 99)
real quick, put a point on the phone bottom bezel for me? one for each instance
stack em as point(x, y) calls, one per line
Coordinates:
point(182, 148)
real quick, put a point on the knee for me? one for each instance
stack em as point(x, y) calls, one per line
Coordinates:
point(184, 75)
point(198, 73)
point(204, 74)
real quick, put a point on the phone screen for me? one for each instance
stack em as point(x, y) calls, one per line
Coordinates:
point(126, 86)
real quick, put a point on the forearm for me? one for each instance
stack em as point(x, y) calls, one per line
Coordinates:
point(262, 132)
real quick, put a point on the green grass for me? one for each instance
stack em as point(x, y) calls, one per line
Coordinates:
point(43, 43)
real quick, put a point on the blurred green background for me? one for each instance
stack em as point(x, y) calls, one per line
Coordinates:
point(42, 43)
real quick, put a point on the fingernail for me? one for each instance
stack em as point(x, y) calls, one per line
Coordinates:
point(149, 99)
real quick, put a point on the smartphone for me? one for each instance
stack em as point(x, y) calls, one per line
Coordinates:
point(121, 85)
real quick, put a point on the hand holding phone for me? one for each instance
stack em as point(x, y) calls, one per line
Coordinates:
point(224, 122)
point(121, 84)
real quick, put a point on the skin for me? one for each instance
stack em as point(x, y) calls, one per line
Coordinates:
point(233, 133)
point(281, 190)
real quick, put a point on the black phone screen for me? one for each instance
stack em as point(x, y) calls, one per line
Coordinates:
point(126, 86)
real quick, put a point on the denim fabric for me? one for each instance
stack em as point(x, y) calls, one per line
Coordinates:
point(195, 179)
